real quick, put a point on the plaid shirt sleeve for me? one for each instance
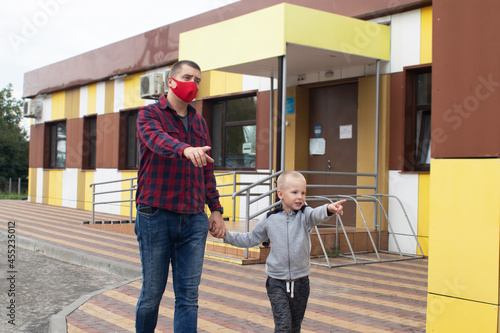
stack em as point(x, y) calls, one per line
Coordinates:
point(166, 179)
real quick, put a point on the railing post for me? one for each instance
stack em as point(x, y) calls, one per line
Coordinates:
point(234, 200)
point(247, 220)
point(93, 202)
point(10, 185)
point(19, 186)
point(131, 197)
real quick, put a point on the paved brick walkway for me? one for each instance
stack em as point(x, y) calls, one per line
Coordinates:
point(381, 297)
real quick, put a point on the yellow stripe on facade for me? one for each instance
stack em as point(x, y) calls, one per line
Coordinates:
point(92, 99)
point(215, 83)
point(32, 173)
point(132, 91)
point(426, 35)
point(72, 104)
point(58, 105)
point(423, 213)
point(109, 97)
point(125, 206)
point(55, 187)
point(89, 179)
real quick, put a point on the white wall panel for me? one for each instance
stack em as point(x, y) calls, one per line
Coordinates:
point(39, 185)
point(257, 206)
point(405, 40)
point(405, 187)
point(106, 175)
point(251, 82)
point(70, 187)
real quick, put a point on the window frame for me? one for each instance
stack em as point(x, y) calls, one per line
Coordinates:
point(124, 152)
point(412, 147)
point(88, 137)
point(48, 149)
point(226, 124)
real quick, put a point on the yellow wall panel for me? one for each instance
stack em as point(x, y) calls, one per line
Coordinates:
point(72, 104)
point(426, 35)
point(358, 37)
point(109, 97)
point(423, 212)
point(445, 314)
point(366, 146)
point(464, 229)
point(215, 83)
point(125, 206)
point(55, 187)
point(89, 179)
point(58, 105)
point(227, 202)
point(80, 196)
point(250, 37)
point(132, 91)
point(32, 173)
point(92, 99)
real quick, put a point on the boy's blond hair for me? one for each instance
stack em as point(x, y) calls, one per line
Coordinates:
point(283, 179)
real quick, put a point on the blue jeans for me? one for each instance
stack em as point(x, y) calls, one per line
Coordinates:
point(165, 237)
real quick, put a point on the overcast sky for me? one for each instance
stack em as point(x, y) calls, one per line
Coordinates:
point(36, 33)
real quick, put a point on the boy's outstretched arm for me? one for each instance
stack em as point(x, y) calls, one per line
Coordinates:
point(336, 207)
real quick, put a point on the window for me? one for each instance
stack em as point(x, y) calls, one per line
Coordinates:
point(418, 118)
point(128, 151)
point(57, 145)
point(234, 132)
point(89, 142)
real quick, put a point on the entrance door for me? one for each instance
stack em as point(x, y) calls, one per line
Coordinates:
point(335, 109)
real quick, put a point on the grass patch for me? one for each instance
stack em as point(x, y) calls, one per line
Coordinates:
point(13, 196)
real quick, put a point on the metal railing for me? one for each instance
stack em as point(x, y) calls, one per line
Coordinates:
point(131, 189)
point(252, 196)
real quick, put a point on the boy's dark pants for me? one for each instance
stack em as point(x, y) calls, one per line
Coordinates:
point(288, 312)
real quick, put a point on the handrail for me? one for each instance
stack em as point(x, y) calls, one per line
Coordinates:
point(130, 200)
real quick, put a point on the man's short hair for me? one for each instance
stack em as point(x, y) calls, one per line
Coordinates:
point(283, 179)
point(176, 68)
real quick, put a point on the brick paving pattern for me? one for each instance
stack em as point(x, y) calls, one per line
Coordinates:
point(381, 297)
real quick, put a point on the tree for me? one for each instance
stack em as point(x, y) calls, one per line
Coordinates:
point(14, 145)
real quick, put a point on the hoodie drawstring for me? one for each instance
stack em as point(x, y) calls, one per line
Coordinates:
point(289, 289)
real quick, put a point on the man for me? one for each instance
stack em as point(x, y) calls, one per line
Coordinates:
point(175, 181)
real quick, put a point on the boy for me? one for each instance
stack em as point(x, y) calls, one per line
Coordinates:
point(287, 266)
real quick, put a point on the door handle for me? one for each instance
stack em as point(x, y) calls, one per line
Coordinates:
point(329, 166)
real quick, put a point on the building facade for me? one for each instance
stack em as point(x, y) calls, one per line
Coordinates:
point(390, 91)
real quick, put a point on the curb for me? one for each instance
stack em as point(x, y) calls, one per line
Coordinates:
point(58, 323)
point(74, 257)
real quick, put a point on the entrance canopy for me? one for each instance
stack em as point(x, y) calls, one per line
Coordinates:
point(311, 40)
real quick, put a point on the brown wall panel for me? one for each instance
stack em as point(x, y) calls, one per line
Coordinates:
point(466, 79)
point(74, 143)
point(396, 150)
point(36, 146)
point(107, 140)
point(159, 47)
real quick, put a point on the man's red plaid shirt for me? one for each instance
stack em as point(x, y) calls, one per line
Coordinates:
point(166, 179)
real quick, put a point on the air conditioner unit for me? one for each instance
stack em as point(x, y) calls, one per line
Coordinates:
point(151, 85)
point(32, 109)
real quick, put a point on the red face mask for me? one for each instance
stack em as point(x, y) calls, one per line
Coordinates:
point(186, 91)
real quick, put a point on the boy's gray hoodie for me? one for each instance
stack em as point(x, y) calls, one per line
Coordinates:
point(290, 240)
